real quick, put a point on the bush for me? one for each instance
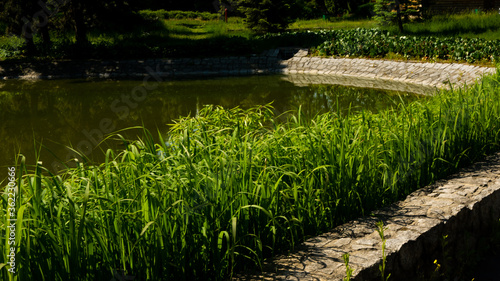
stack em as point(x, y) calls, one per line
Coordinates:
point(11, 46)
point(377, 43)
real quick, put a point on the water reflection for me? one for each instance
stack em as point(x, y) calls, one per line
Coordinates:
point(40, 118)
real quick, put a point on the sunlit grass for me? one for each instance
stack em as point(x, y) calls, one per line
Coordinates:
point(199, 29)
point(471, 25)
point(327, 24)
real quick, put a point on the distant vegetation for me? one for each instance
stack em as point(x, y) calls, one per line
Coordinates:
point(165, 15)
point(150, 29)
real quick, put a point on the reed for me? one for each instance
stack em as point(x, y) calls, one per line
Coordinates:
point(230, 187)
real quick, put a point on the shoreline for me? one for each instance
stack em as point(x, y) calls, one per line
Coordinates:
point(288, 61)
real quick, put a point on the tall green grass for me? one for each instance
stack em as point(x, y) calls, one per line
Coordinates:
point(231, 187)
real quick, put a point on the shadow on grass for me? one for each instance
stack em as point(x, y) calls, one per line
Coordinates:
point(158, 40)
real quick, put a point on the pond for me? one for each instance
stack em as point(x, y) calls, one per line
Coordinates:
point(40, 119)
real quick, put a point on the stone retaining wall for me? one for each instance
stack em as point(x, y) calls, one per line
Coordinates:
point(359, 82)
point(464, 207)
point(285, 60)
point(439, 75)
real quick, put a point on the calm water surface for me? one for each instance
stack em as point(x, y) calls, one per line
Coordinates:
point(40, 119)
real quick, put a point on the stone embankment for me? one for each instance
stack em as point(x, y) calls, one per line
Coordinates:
point(462, 209)
point(393, 75)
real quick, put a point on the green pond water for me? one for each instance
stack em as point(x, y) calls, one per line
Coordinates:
point(40, 119)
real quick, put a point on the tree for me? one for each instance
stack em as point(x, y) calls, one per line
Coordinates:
point(398, 16)
point(31, 18)
point(266, 15)
point(336, 7)
point(14, 16)
point(384, 12)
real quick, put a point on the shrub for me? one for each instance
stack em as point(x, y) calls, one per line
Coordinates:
point(377, 43)
point(11, 46)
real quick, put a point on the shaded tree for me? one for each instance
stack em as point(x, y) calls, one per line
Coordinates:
point(266, 15)
point(336, 7)
point(15, 15)
point(30, 18)
point(385, 15)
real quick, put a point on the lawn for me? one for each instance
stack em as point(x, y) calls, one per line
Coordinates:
point(468, 25)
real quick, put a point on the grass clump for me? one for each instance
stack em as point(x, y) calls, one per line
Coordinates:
point(229, 187)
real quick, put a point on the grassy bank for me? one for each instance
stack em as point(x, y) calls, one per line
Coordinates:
point(231, 187)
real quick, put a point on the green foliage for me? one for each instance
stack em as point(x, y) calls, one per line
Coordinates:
point(365, 10)
point(266, 15)
point(231, 187)
point(384, 13)
point(162, 14)
point(336, 7)
point(307, 9)
point(375, 43)
point(11, 46)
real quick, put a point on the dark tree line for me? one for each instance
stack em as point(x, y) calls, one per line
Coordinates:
point(26, 18)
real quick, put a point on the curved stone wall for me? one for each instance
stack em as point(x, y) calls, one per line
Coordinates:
point(371, 73)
